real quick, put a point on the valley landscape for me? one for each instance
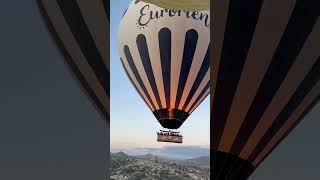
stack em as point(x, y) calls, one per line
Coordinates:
point(151, 167)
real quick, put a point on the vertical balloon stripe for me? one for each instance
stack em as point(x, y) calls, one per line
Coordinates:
point(46, 10)
point(177, 44)
point(305, 87)
point(218, 20)
point(145, 58)
point(136, 86)
point(106, 5)
point(202, 72)
point(99, 31)
point(155, 60)
point(81, 33)
point(241, 23)
point(203, 92)
point(191, 40)
point(136, 73)
point(202, 85)
point(285, 55)
point(165, 56)
point(308, 103)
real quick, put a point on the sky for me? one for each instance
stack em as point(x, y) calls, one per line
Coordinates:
point(132, 123)
point(50, 131)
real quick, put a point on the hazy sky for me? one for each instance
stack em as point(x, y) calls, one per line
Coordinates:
point(132, 123)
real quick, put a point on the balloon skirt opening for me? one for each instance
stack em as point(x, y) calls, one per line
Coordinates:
point(170, 123)
point(171, 118)
point(226, 166)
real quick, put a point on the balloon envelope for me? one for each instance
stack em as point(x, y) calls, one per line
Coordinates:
point(165, 53)
point(266, 72)
point(80, 28)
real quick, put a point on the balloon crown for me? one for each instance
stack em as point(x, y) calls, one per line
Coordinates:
point(189, 5)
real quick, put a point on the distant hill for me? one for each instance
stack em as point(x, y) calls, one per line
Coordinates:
point(169, 152)
point(203, 161)
point(119, 154)
point(146, 156)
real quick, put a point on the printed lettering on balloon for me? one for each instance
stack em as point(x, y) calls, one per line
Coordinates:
point(146, 15)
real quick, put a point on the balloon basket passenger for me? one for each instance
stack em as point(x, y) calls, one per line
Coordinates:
point(169, 136)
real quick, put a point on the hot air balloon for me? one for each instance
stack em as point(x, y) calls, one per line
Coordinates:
point(165, 54)
point(265, 78)
point(80, 29)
